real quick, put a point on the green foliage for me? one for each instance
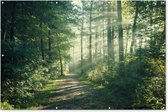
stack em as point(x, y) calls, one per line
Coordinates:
point(33, 33)
point(42, 96)
point(25, 28)
point(151, 94)
point(6, 106)
point(142, 82)
point(142, 86)
point(97, 74)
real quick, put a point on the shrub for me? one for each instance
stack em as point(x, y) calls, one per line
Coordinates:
point(6, 106)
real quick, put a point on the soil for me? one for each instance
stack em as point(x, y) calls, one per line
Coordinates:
point(72, 93)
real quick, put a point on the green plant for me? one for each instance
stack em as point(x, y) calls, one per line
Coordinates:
point(6, 106)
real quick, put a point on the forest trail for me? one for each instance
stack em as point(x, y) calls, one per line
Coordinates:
point(72, 93)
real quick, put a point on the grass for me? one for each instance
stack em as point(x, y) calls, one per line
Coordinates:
point(43, 96)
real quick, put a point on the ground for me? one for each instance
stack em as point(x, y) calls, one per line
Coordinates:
point(72, 93)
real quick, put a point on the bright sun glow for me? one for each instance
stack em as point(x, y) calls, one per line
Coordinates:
point(77, 2)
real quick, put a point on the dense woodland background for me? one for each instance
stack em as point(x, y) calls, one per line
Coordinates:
point(118, 46)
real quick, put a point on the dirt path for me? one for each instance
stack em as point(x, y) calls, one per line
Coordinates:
point(71, 93)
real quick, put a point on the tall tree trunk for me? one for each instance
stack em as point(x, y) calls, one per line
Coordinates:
point(3, 29)
point(103, 30)
point(73, 60)
point(96, 43)
point(3, 21)
point(134, 30)
point(12, 25)
point(82, 41)
point(120, 35)
point(112, 39)
point(112, 43)
point(151, 21)
point(103, 40)
point(109, 36)
point(140, 43)
point(126, 46)
point(49, 45)
point(90, 37)
point(13, 19)
point(61, 64)
point(100, 45)
point(42, 46)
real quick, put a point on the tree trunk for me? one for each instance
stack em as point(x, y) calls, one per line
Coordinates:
point(100, 46)
point(73, 60)
point(96, 43)
point(109, 37)
point(103, 31)
point(13, 19)
point(3, 31)
point(112, 43)
point(126, 46)
point(151, 21)
point(42, 46)
point(49, 45)
point(90, 37)
point(134, 30)
point(120, 35)
point(82, 41)
point(60, 58)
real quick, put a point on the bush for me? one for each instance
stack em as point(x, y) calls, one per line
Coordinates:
point(151, 94)
point(141, 86)
point(20, 92)
point(6, 106)
point(96, 75)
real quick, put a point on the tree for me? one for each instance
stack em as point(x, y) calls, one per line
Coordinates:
point(134, 27)
point(60, 58)
point(120, 36)
point(13, 19)
point(26, 27)
point(96, 43)
point(90, 35)
point(49, 45)
point(82, 39)
point(41, 42)
point(112, 42)
point(103, 29)
point(109, 37)
point(126, 46)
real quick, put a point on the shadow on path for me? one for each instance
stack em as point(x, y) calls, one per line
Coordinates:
point(71, 93)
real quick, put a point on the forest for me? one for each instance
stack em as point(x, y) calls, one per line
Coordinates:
point(83, 55)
